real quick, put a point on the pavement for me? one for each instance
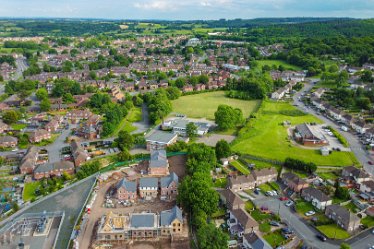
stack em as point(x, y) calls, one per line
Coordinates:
point(355, 145)
point(143, 125)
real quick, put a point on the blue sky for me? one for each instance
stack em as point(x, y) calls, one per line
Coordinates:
point(187, 9)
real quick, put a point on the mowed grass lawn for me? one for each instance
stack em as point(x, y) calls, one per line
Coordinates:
point(29, 190)
point(204, 105)
point(332, 231)
point(266, 137)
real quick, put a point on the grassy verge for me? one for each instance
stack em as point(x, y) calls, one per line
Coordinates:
point(332, 231)
point(340, 138)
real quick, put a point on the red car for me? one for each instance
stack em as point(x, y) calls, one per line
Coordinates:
point(283, 198)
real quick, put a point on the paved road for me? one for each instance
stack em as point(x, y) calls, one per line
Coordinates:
point(143, 125)
point(21, 64)
point(362, 241)
point(303, 231)
point(354, 142)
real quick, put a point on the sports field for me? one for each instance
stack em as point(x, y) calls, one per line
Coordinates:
point(204, 105)
point(266, 137)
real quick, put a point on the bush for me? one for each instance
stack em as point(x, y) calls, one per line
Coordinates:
point(299, 165)
point(340, 138)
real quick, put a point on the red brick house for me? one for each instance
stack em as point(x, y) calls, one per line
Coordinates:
point(53, 169)
point(79, 154)
point(126, 190)
point(169, 186)
point(39, 135)
point(294, 182)
point(76, 115)
point(28, 162)
point(8, 141)
point(158, 164)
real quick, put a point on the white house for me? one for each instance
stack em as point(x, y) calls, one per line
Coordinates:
point(316, 197)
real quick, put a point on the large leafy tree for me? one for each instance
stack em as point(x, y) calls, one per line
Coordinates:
point(210, 237)
point(222, 149)
point(227, 117)
point(191, 130)
point(196, 193)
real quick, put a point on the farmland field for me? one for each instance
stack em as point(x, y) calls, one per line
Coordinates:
point(205, 104)
point(266, 137)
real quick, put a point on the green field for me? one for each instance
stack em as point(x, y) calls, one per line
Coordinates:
point(266, 137)
point(277, 63)
point(204, 105)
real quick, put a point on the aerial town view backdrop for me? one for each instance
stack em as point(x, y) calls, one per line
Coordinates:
point(207, 134)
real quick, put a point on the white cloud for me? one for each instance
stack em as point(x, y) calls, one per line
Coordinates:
point(162, 5)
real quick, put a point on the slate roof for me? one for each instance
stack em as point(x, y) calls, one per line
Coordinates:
point(167, 180)
point(128, 185)
point(8, 139)
point(168, 216)
point(47, 167)
point(143, 220)
point(158, 159)
point(244, 219)
point(315, 193)
point(148, 182)
point(256, 241)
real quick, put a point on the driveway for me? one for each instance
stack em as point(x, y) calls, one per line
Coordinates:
point(355, 145)
point(54, 148)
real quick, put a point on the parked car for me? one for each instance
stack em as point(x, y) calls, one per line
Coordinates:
point(286, 230)
point(274, 223)
point(321, 237)
point(289, 203)
point(310, 213)
point(370, 162)
point(256, 192)
point(283, 198)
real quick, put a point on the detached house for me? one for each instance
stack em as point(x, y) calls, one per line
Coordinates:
point(316, 197)
point(126, 190)
point(360, 126)
point(230, 199)
point(343, 217)
point(169, 186)
point(294, 182)
point(158, 164)
point(148, 188)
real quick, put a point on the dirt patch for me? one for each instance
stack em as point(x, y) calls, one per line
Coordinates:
point(177, 164)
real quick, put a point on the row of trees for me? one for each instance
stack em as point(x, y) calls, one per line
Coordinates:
point(199, 199)
point(300, 165)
